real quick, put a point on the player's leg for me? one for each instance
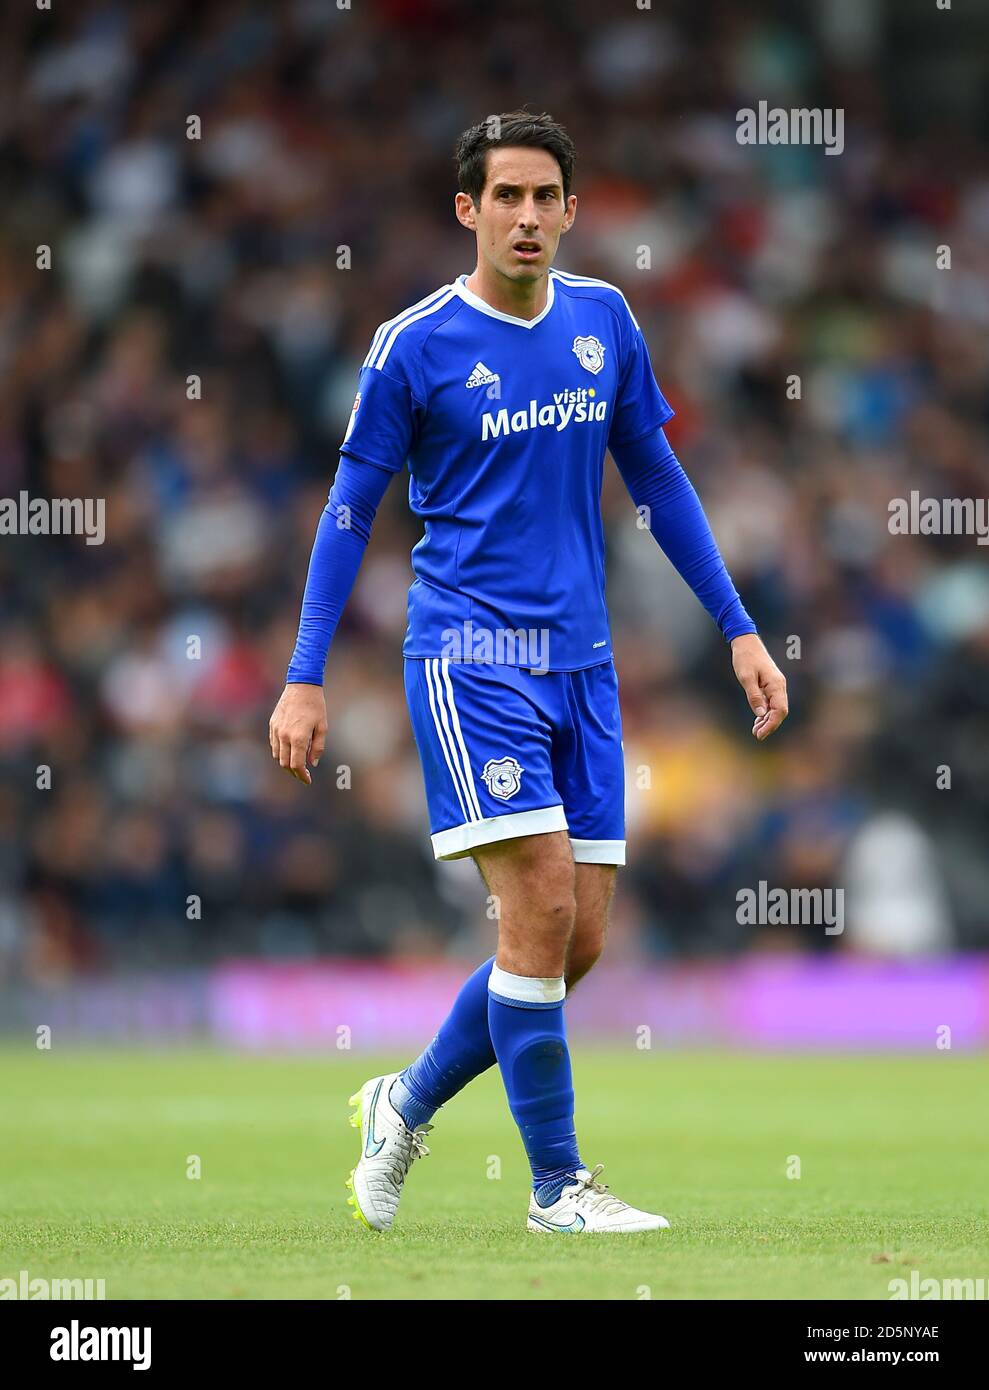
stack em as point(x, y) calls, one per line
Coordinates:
point(588, 767)
point(533, 881)
point(485, 752)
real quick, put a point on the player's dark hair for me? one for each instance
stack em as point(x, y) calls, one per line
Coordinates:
point(511, 128)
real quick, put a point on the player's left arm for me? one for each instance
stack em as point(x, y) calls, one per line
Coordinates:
point(664, 494)
point(666, 498)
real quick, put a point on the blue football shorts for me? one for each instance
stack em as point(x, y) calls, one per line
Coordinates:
point(507, 751)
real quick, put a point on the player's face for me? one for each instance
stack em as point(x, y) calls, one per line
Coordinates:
point(522, 213)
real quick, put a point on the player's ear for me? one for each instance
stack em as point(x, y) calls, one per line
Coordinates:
point(463, 205)
point(570, 214)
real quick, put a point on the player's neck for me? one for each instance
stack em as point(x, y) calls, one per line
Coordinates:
point(523, 299)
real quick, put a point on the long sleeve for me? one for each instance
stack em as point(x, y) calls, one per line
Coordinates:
point(341, 539)
point(656, 481)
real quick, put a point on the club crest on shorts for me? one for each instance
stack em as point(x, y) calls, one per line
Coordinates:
point(590, 353)
point(503, 777)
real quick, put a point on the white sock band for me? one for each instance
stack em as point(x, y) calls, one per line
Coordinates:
point(526, 989)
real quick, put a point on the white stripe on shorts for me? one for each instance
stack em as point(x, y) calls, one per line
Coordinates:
point(470, 788)
point(438, 703)
point(442, 740)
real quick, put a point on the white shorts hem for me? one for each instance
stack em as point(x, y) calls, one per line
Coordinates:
point(598, 851)
point(461, 840)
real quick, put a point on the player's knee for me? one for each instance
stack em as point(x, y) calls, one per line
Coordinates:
point(544, 879)
point(554, 902)
point(550, 915)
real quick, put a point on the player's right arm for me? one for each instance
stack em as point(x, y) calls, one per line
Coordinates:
point(297, 728)
point(378, 440)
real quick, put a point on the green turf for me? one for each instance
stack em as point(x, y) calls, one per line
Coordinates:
point(893, 1154)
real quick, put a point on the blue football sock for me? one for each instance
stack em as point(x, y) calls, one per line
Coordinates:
point(460, 1051)
point(525, 1018)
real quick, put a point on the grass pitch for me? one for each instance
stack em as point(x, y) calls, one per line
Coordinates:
point(95, 1147)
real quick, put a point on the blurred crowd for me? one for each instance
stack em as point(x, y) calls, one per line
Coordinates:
point(234, 196)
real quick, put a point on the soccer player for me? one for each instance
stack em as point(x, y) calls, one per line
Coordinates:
point(502, 391)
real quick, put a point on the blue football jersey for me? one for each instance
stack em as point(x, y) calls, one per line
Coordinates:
point(504, 423)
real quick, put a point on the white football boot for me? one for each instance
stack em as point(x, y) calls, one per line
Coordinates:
point(388, 1150)
point(590, 1207)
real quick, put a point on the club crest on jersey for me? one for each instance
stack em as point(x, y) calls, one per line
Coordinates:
point(503, 777)
point(590, 353)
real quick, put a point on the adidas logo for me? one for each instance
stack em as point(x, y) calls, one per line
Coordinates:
point(480, 376)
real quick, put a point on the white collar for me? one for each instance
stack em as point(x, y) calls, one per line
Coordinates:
point(476, 302)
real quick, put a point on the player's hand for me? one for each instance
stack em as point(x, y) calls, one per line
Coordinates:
point(763, 682)
point(297, 729)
